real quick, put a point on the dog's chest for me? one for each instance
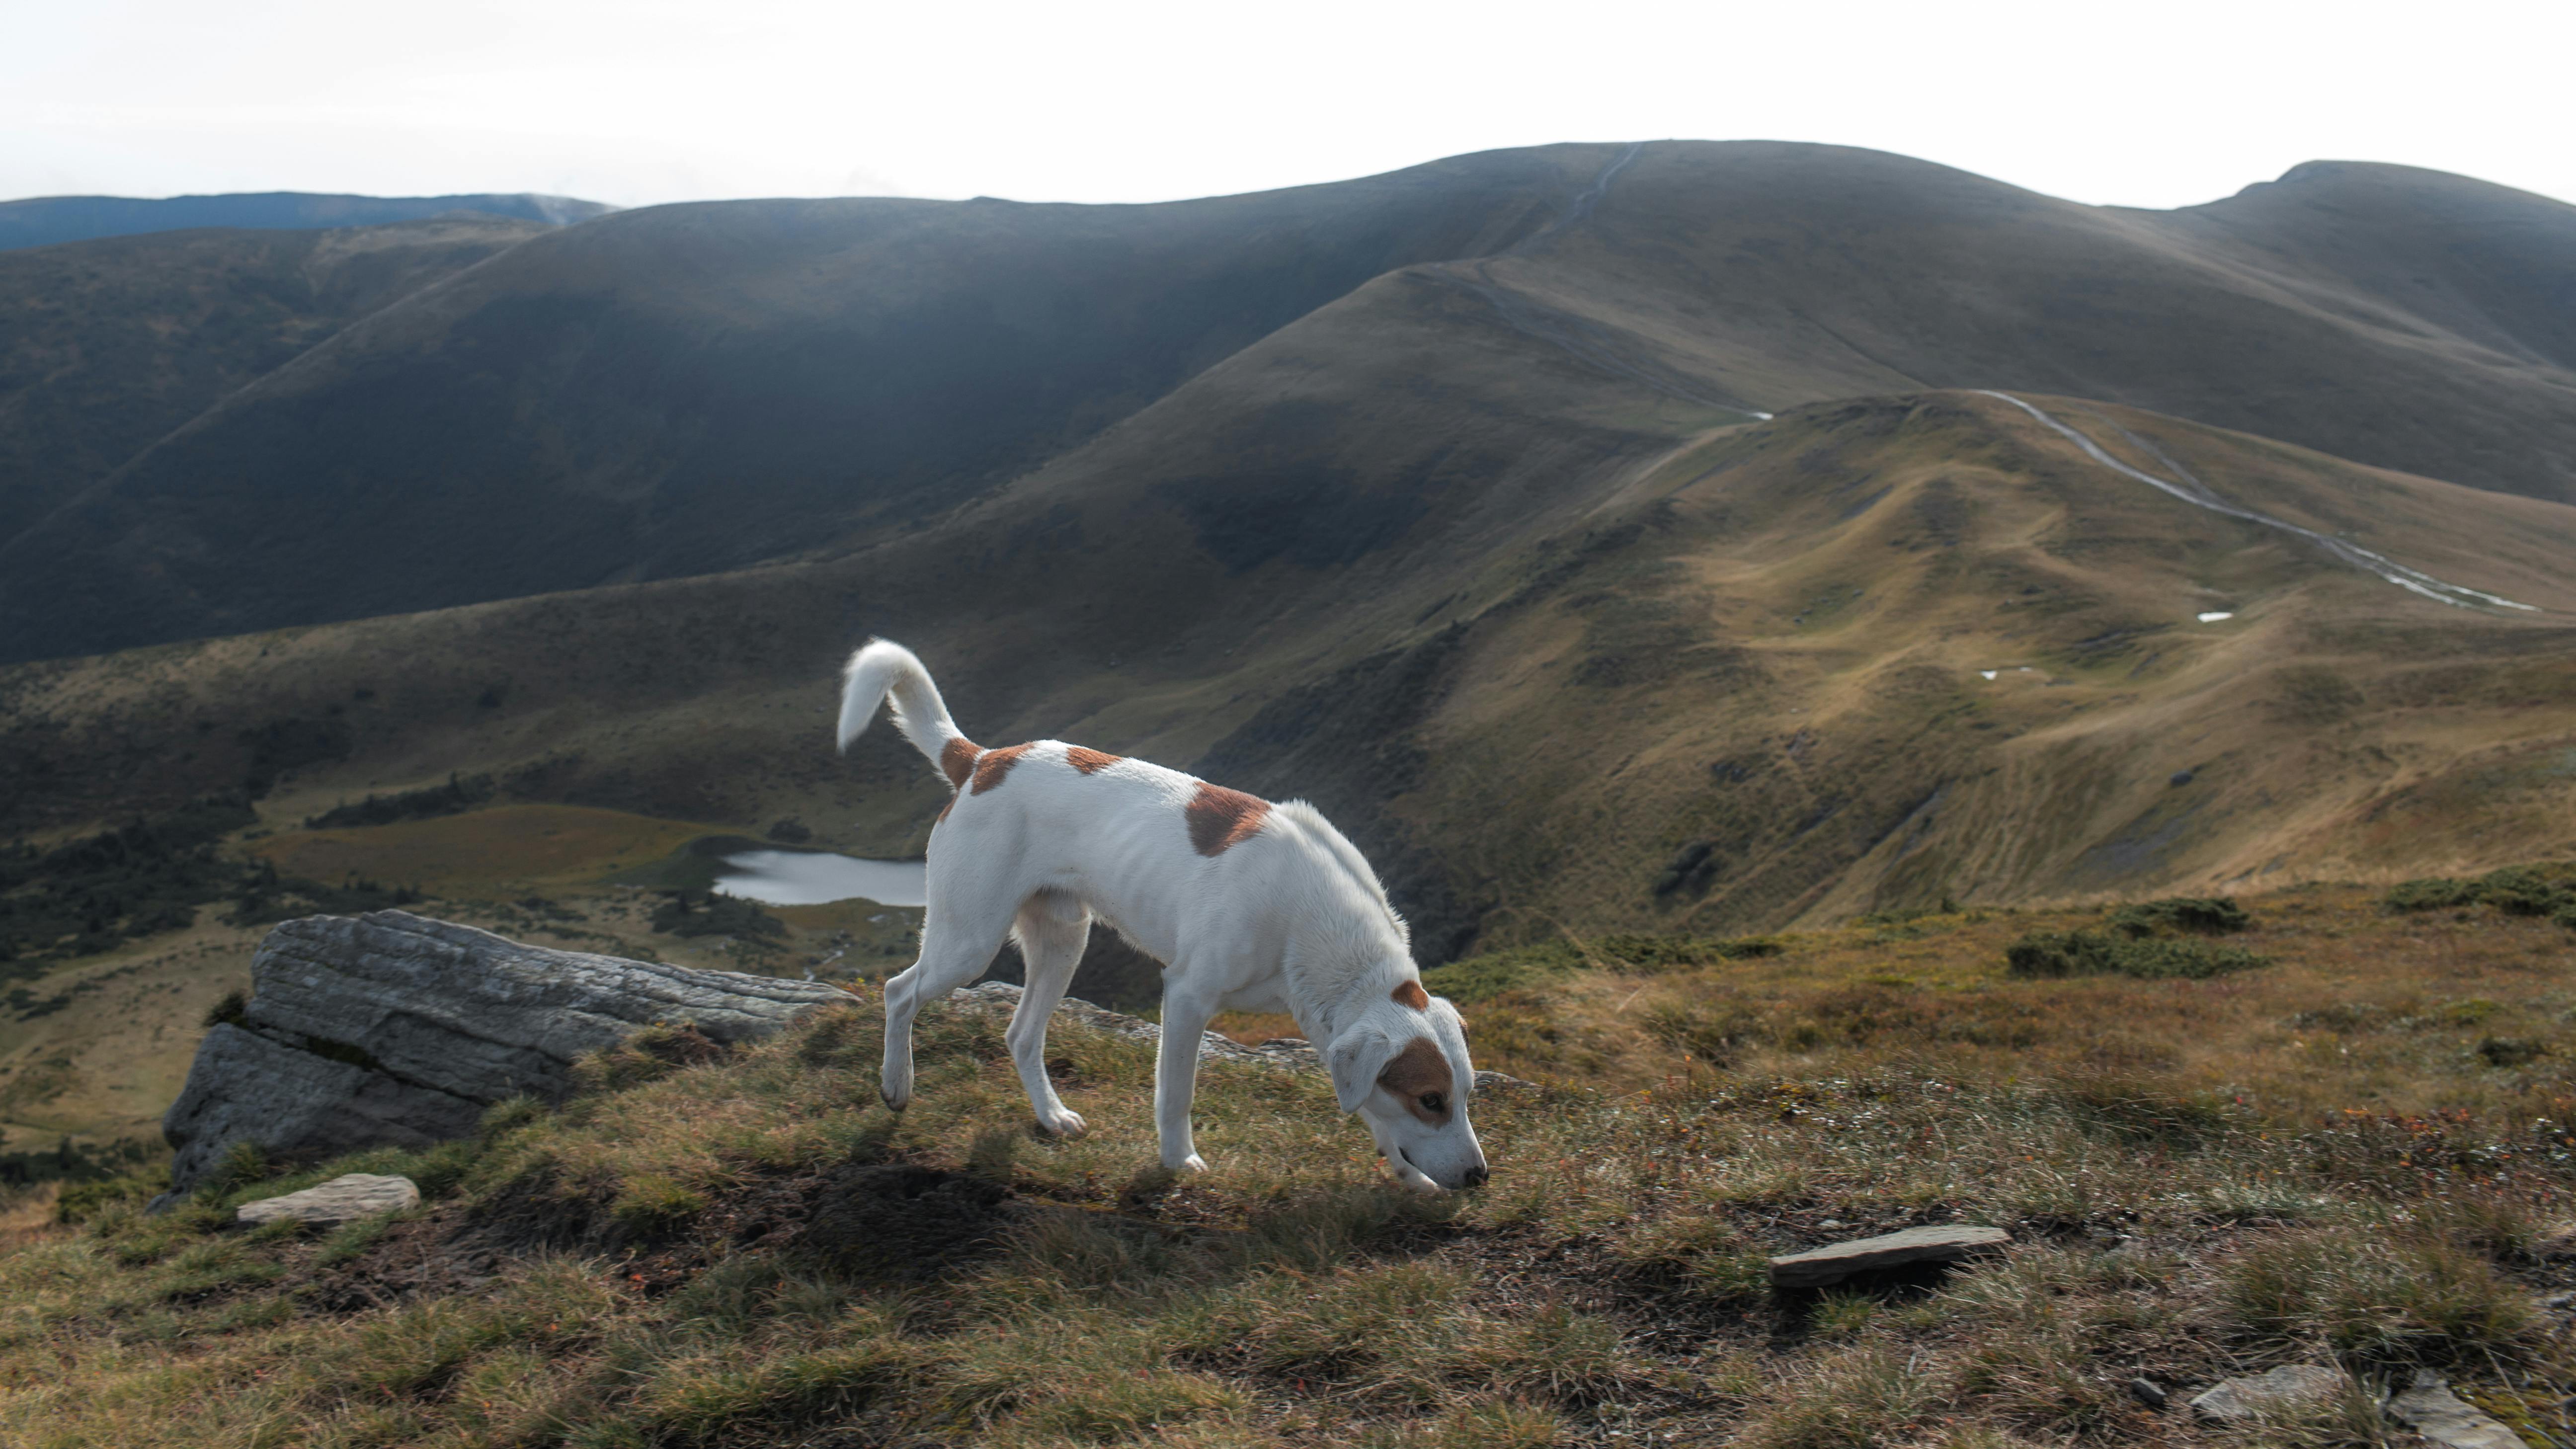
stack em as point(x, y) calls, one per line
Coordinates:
point(1269, 994)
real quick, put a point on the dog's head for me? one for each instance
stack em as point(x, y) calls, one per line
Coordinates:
point(1402, 1066)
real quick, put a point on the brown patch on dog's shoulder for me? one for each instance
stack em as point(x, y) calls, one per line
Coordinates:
point(1418, 1076)
point(1089, 762)
point(994, 765)
point(1410, 993)
point(957, 761)
point(1221, 819)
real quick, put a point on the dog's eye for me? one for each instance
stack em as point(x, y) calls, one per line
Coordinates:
point(1433, 1101)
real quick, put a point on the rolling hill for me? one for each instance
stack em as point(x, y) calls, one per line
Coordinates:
point(46, 220)
point(107, 346)
point(1736, 681)
point(685, 390)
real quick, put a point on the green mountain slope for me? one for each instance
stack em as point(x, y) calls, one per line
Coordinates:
point(108, 346)
point(1764, 643)
point(691, 389)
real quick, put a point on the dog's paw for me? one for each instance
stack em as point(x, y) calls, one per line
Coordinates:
point(1191, 1163)
point(893, 1102)
point(1062, 1123)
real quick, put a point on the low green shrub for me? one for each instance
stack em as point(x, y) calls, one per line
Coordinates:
point(686, 913)
point(2049, 954)
point(2431, 893)
point(2516, 890)
point(2203, 915)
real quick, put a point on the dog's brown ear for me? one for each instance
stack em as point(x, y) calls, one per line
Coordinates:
point(1356, 1057)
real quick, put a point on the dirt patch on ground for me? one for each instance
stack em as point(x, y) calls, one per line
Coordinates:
point(874, 1222)
point(901, 1222)
point(421, 1258)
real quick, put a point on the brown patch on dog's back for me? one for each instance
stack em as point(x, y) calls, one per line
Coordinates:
point(1089, 762)
point(994, 765)
point(957, 761)
point(1221, 819)
point(1410, 993)
point(1418, 1071)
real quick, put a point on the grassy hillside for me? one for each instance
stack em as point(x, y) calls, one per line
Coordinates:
point(106, 347)
point(2348, 1149)
point(682, 390)
point(1527, 701)
point(1725, 685)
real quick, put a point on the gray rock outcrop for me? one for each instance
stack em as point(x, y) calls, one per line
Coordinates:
point(346, 1198)
point(2287, 1389)
point(2442, 1417)
point(1833, 1263)
point(392, 1029)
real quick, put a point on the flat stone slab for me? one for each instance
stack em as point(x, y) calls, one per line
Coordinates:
point(391, 1029)
point(2293, 1386)
point(1833, 1263)
point(343, 1199)
point(2443, 1417)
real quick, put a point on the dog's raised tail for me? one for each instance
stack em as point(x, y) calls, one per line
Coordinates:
point(881, 668)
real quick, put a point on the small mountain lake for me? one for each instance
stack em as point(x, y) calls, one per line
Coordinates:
point(813, 878)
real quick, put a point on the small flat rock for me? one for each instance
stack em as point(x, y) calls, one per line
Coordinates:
point(1833, 1263)
point(2443, 1417)
point(2293, 1386)
point(343, 1199)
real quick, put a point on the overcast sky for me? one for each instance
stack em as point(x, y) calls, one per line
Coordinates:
point(641, 101)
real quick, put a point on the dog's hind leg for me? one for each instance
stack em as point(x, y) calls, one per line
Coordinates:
point(1052, 929)
point(960, 931)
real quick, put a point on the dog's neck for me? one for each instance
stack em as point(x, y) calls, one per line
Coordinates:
point(1331, 993)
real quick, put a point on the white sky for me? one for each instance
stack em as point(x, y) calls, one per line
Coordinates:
point(639, 101)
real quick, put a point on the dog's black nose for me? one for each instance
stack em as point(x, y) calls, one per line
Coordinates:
point(1476, 1176)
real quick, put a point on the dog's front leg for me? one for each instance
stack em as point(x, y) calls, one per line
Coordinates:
point(1176, 1075)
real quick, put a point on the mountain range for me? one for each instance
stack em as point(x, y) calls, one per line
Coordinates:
point(44, 220)
point(1726, 534)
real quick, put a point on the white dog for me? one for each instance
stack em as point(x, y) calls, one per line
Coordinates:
point(1250, 906)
